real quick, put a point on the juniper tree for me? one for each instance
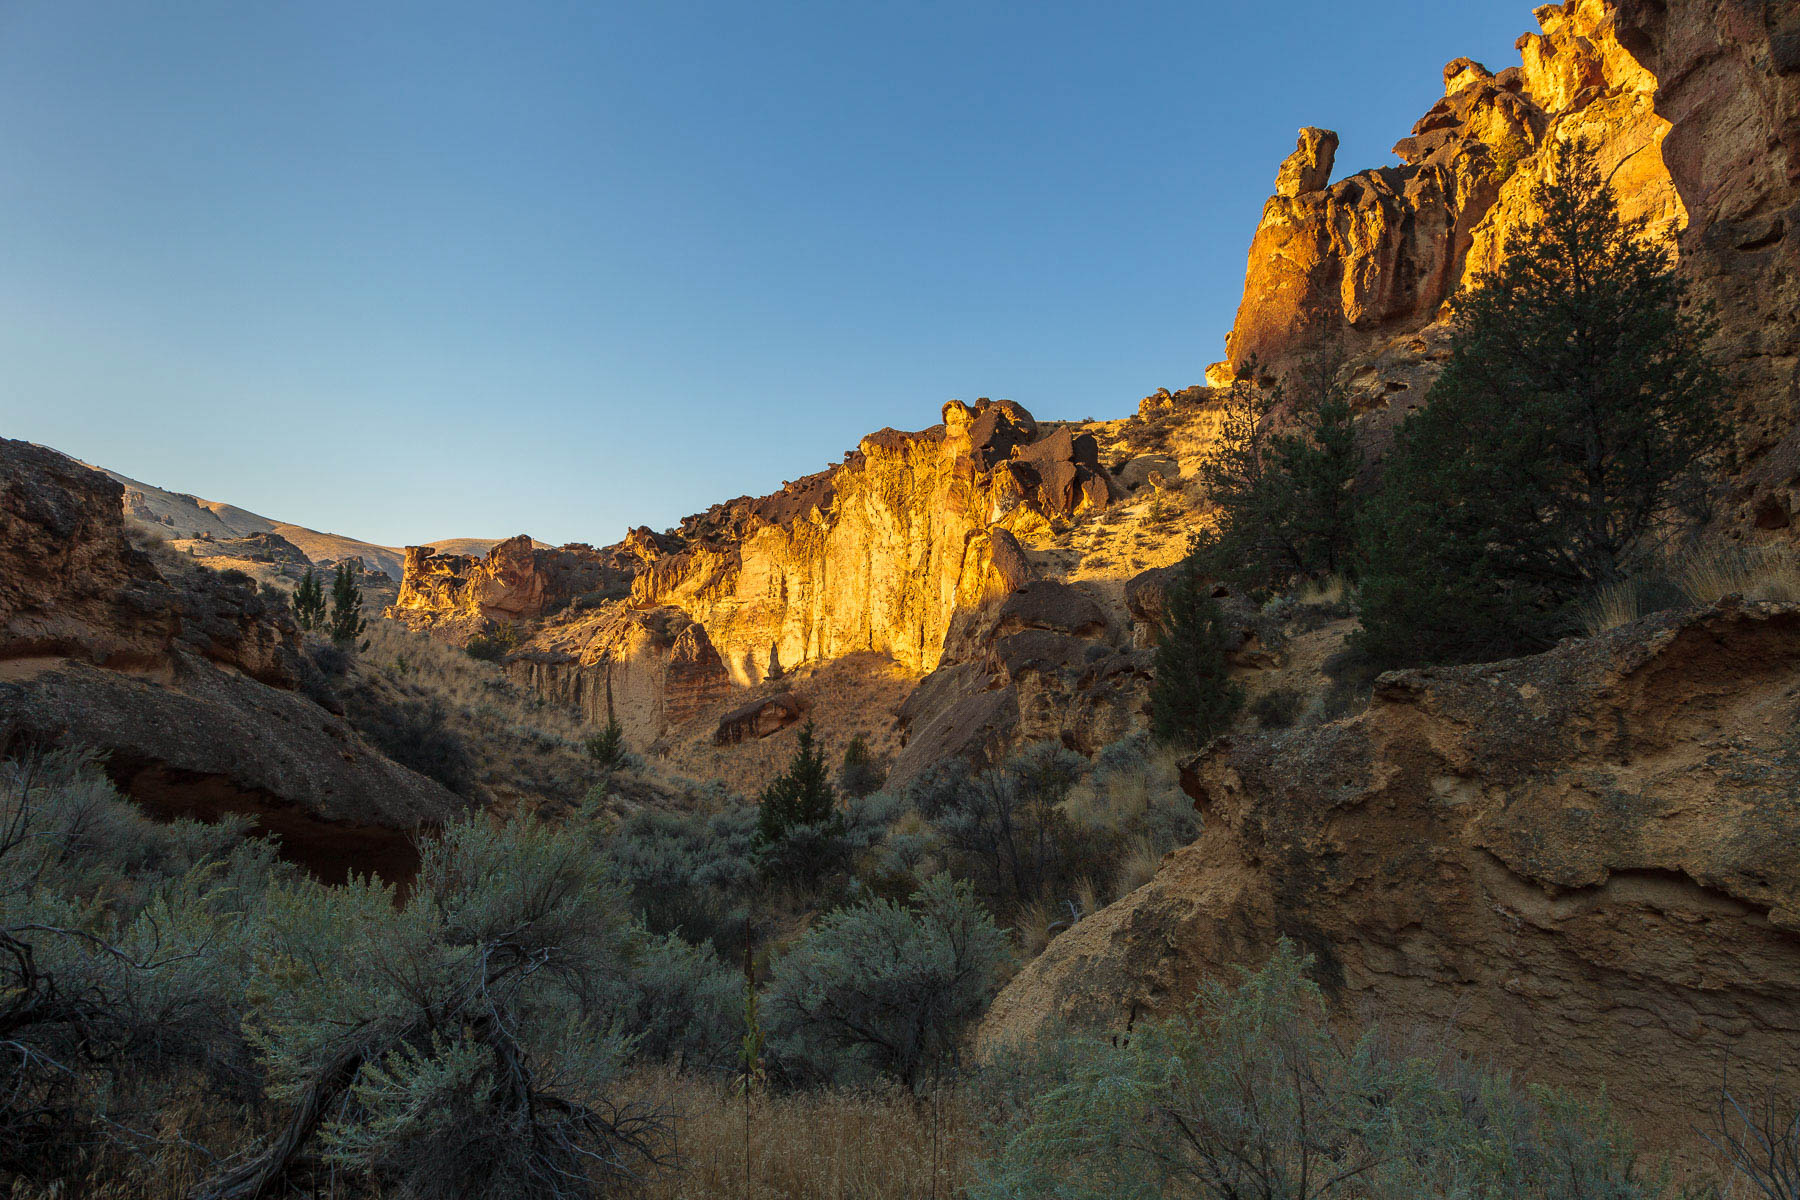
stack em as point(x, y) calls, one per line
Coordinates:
point(860, 774)
point(801, 796)
point(347, 621)
point(1283, 500)
point(309, 602)
point(607, 748)
point(1193, 697)
point(1572, 428)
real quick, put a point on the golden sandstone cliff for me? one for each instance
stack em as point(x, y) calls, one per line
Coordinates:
point(903, 551)
point(906, 548)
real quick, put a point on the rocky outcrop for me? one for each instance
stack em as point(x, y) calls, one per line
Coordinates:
point(896, 552)
point(515, 580)
point(1728, 79)
point(1359, 269)
point(184, 680)
point(1584, 864)
point(761, 717)
point(650, 669)
point(72, 586)
point(881, 553)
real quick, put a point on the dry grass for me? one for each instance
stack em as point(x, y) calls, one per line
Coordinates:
point(1113, 801)
point(1769, 573)
point(846, 1145)
point(1700, 576)
point(1137, 866)
point(1331, 590)
point(876, 1144)
point(528, 754)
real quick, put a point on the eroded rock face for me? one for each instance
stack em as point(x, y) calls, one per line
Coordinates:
point(72, 586)
point(1729, 81)
point(1339, 271)
point(1584, 864)
point(893, 552)
point(183, 679)
point(513, 581)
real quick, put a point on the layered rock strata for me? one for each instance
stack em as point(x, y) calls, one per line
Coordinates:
point(1584, 864)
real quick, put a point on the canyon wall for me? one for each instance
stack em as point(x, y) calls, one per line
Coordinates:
point(1690, 110)
point(885, 553)
point(185, 680)
point(1584, 865)
point(1728, 77)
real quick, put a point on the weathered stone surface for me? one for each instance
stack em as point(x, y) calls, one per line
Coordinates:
point(183, 680)
point(1308, 168)
point(1337, 273)
point(1047, 604)
point(1729, 81)
point(761, 717)
point(1584, 864)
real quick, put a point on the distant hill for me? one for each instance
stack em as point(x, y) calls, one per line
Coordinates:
point(186, 516)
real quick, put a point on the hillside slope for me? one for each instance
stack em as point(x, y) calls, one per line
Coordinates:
point(183, 517)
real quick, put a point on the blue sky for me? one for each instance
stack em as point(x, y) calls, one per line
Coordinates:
point(414, 270)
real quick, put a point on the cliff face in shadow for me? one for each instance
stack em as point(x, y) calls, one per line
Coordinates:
point(184, 679)
point(1584, 864)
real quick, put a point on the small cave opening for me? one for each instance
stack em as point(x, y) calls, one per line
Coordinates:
point(330, 851)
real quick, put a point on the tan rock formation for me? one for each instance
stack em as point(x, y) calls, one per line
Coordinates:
point(886, 553)
point(515, 580)
point(184, 679)
point(1729, 81)
point(1339, 272)
point(1584, 864)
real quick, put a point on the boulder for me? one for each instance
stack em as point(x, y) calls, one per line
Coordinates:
point(759, 718)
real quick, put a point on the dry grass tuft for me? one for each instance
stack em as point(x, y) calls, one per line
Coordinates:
point(1332, 590)
point(844, 1145)
point(1137, 866)
point(1700, 576)
point(1769, 573)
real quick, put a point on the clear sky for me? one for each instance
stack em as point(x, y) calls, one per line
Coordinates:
point(433, 269)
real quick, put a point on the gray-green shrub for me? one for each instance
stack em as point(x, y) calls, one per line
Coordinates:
point(123, 944)
point(1252, 1096)
point(464, 1044)
point(883, 989)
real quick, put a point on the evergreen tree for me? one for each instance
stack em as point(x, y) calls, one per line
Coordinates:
point(860, 774)
point(607, 748)
point(1572, 428)
point(1193, 697)
point(309, 602)
point(347, 621)
point(1312, 474)
point(1282, 502)
point(801, 796)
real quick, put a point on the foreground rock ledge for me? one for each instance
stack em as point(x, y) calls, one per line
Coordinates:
point(1583, 865)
